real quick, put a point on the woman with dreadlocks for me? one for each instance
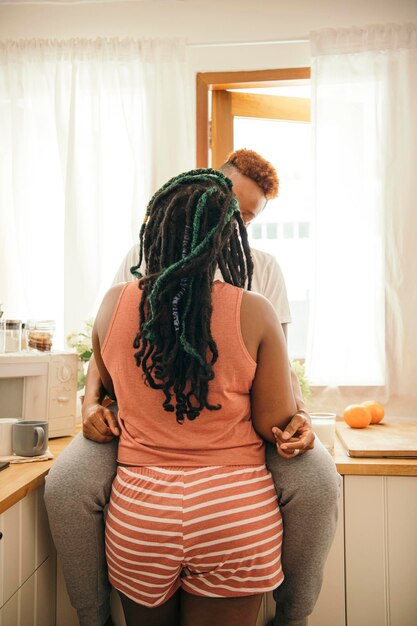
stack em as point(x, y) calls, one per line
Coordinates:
point(200, 371)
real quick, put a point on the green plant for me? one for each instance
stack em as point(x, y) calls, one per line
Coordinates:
point(299, 369)
point(82, 344)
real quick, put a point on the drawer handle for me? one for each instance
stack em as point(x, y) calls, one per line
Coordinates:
point(63, 399)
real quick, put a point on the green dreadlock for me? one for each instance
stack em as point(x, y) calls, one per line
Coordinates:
point(192, 225)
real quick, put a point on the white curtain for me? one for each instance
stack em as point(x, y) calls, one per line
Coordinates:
point(89, 130)
point(364, 304)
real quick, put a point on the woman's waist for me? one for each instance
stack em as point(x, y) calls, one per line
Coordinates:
point(143, 453)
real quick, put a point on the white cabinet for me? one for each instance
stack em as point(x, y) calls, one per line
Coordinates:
point(402, 556)
point(27, 564)
point(381, 550)
point(33, 604)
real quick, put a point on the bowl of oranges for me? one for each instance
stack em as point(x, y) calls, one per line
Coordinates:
point(365, 414)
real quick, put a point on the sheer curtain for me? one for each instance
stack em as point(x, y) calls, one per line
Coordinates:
point(89, 130)
point(364, 304)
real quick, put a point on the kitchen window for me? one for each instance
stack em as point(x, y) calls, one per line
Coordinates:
point(274, 120)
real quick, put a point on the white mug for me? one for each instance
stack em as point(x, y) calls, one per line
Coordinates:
point(6, 426)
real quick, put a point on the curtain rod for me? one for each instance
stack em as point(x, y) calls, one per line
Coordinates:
point(245, 43)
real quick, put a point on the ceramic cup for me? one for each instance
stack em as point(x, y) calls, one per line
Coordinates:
point(30, 438)
point(324, 427)
point(6, 425)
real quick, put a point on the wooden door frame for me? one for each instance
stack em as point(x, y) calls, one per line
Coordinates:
point(221, 81)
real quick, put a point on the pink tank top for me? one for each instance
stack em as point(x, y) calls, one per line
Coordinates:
point(152, 436)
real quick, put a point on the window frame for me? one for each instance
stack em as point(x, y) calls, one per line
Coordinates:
point(215, 106)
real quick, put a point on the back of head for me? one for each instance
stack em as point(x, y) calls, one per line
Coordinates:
point(192, 225)
point(254, 166)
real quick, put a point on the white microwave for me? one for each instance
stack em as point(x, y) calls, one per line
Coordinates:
point(36, 385)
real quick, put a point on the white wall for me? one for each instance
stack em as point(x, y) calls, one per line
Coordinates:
point(196, 20)
point(202, 21)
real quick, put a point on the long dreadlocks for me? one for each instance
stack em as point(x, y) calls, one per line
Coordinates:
point(192, 225)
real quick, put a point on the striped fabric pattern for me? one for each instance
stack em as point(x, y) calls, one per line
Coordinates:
point(214, 531)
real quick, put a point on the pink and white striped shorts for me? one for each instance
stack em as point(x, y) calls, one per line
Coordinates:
point(214, 531)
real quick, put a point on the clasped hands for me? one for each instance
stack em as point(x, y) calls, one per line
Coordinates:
point(297, 438)
point(100, 424)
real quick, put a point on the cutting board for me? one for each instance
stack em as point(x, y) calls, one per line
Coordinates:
point(387, 439)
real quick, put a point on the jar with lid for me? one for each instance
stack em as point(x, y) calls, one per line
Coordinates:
point(13, 336)
point(40, 335)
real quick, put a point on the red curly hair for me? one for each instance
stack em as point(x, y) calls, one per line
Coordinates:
point(251, 164)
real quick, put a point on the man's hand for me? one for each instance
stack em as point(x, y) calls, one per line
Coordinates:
point(100, 424)
point(297, 438)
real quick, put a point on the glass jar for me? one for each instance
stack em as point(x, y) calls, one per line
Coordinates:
point(13, 336)
point(40, 335)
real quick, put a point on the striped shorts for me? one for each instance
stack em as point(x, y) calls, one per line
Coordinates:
point(214, 531)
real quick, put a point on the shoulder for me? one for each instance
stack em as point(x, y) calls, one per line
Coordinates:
point(111, 297)
point(256, 306)
point(258, 322)
point(106, 310)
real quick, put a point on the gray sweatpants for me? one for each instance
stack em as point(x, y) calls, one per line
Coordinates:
point(78, 488)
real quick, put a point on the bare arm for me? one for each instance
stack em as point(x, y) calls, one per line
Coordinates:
point(298, 434)
point(99, 423)
point(94, 390)
point(100, 328)
point(272, 397)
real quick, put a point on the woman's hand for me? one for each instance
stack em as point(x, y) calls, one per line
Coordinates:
point(297, 438)
point(99, 424)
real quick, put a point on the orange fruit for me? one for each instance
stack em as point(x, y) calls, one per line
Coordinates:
point(357, 416)
point(376, 410)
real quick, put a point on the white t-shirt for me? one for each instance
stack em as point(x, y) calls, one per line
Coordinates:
point(267, 279)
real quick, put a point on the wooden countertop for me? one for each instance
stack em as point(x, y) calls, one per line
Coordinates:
point(348, 466)
point(20, 479)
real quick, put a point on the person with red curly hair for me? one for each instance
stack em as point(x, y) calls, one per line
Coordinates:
point(304, 474)
point(252, 165)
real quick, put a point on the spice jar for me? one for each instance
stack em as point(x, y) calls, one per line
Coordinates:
point(13, 336)
point(40, 335)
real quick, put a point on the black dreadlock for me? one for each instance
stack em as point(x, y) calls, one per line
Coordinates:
point(192, 225)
